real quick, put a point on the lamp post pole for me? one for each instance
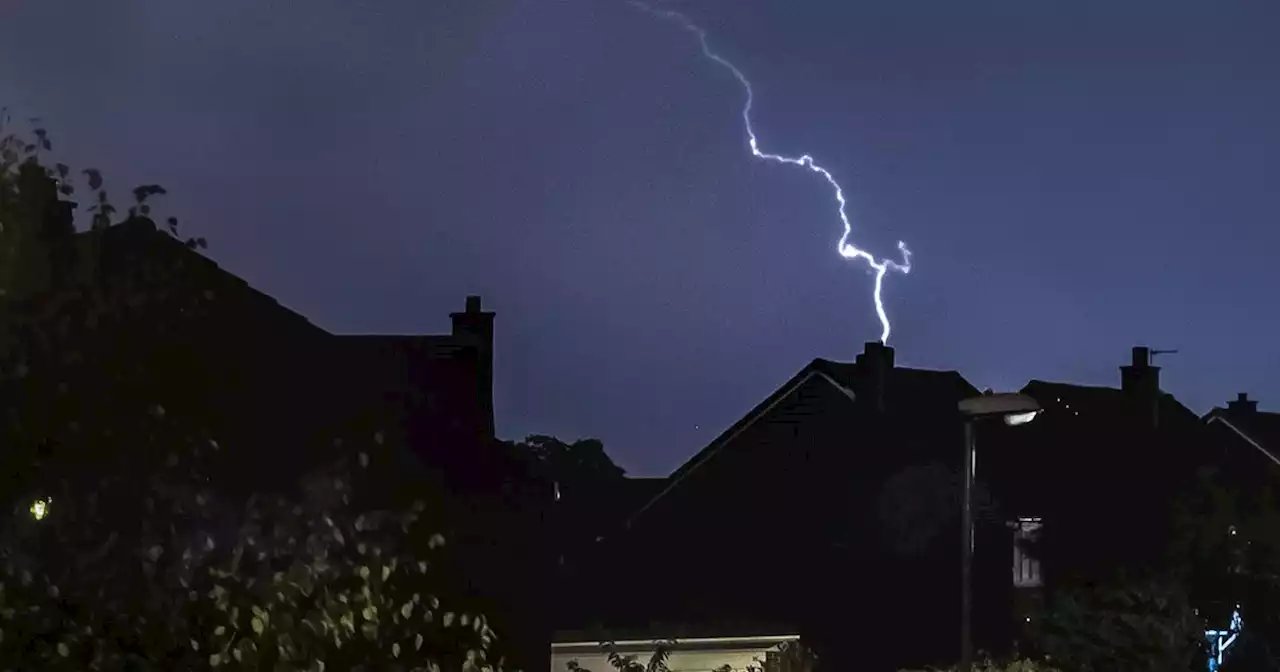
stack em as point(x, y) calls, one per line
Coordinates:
point(966, 553)
point(1015, 409)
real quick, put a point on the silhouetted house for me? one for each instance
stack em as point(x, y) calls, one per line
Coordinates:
point(266, 377)
point(1247, 471)
point(1254, 430)
point(802, 518)
point(275, 391)
point(833, 508)
point(437, 389)
point(1085, 489)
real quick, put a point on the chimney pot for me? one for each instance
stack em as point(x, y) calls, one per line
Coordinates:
point(1141, 381)
point(879, 353)
point(474, 327)
point(875, 365)
point(1243, 404)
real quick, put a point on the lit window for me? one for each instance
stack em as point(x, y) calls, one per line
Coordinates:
point(1026, 569)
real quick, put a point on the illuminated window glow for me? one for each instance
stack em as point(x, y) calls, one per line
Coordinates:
point(1026, 569)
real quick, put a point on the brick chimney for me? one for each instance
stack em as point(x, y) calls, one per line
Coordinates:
point(1243, 404)
point(1140, 381)
point(875, 365)
point(474, 327)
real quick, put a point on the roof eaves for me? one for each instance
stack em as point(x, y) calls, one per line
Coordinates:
point(1221, 417)
point(843, 390)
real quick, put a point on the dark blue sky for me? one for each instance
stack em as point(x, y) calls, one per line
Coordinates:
point(1074, 176)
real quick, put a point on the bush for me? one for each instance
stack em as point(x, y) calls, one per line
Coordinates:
point(1020, 665)
point(306, 583)
point(1122, 625)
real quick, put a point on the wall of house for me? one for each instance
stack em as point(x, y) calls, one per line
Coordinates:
point(749, 515)
point(783, 525)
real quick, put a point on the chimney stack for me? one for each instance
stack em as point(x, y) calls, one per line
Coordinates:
point(1243, 404)
point(474, 327)
point(1141, 382)
point(875, 365)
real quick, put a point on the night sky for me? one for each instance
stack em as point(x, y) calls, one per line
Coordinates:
point(1075, 177)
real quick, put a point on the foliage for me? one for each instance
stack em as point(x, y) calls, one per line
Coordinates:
point(623, 663)
point(33, 224)
point(147, 553)
point(791, 657)
point(305, 583)
point(584, 479)
point(581, 465)
point(1016, 665)
point(1128, 625)
point(1230, 535)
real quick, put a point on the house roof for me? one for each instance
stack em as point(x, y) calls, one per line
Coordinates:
point(1083, 426)
point(1091, 400)
point(282, 357)
point(1258, 428)
point(126, 244)
point(907, 391)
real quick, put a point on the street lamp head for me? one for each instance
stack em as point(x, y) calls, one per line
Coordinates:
point(1016, 409)
point(1015, 419)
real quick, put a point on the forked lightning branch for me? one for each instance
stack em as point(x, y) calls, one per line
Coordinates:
point(845, 247)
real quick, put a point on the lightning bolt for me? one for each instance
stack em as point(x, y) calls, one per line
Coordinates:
point(845, 248)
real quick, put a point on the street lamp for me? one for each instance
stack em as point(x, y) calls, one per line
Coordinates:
point(1014, 409)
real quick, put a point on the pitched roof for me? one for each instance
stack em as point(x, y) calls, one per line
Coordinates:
point(1084, 425)
point(908, 390)
point(1095, 400)
point(914, 392)
point(1258, 428)
point(292, 364)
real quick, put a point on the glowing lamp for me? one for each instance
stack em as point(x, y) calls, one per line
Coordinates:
point(40, 508)
point(1015, 419)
